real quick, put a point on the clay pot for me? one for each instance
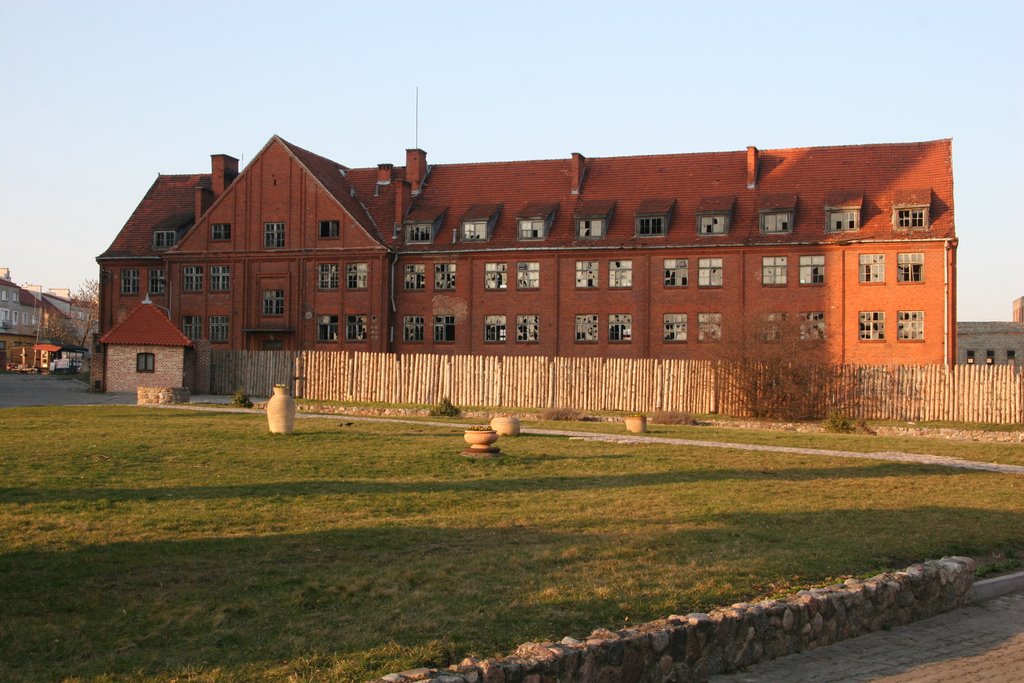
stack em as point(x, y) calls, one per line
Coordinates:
point(481, 442)
point(637, 424)
point(281, 411)
point(505, 425)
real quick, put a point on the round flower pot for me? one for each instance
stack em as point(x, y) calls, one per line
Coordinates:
point(281, 411)
point(505, 425)
point(637, 424)
point(481, 442)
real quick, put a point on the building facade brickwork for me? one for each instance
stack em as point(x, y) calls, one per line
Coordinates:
point(653, 256)
point(991, 343)
point(123, 373)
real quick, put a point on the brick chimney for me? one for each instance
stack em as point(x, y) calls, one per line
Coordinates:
point(752, 163)
point(204, 199)
point(577, 171)
point(403, 200)
point(416, 169)
point(225, 169)
point(384, 173)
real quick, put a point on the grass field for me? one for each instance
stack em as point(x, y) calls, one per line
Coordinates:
point(144, 544)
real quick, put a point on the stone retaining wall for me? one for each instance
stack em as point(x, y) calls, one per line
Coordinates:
point(162, 395)
point(696, 646)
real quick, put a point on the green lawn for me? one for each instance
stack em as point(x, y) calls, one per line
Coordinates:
point(143, 544)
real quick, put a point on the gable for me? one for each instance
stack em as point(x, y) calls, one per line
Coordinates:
point(279, 187)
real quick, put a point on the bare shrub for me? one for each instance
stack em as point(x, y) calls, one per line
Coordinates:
point(668, 417)
point(777, 367)
point(561, 415)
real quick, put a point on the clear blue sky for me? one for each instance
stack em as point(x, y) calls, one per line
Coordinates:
point(99, 97)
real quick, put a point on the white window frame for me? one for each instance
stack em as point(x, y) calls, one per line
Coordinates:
point(812, 325)
point(495, 276)
point(219, 329)
point(328, 277)
point(419, 233)
point(220, 278)
point(620, 274)
point(676, 272)
point(528, 328)
point(327, 328)
point(475, 231)
point(415, 276)
point(532, 228)
point(444, 276)
point(842, 220)
point(709, 327)
point(273, 235)
point(620, 327)
point(775, 221)
point(812, 269)
point(588, 274)
point(674, 327)
point(774, 271)
point(871, 268)
point(355, 327)
point(357, 275)
point(495, 329)
point(910, 267)
point(871, 326)
point(528, 275)
point(587, 330)
point(652, 225)
point(413, 328)
point(192, 279)
point(710, 272)
point(712, 224)
point(594, 227)
point(910, 325)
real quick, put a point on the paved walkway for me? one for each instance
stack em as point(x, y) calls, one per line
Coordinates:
point(22, 389)
point(983, 642)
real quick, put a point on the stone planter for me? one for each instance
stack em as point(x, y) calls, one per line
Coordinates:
point(636, 424)
point(505, 425)
point(481, 443)
point(281, 411)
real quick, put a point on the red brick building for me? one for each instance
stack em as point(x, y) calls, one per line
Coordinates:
point(658, 256)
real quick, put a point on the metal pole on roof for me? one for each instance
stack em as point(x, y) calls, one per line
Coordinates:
point(417, 135)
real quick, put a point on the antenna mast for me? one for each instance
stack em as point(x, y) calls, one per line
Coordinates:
point(417, 136)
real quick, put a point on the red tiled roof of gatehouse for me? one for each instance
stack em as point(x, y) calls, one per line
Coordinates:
point(146, 325)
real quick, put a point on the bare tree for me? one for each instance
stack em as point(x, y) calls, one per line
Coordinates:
point(776, 366)
point(85, 308)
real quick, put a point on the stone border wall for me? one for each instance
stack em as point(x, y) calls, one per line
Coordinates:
point(696, 646)
point(148, 396)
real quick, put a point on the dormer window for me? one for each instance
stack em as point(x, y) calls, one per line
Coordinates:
point(478, 222)
point(842, 211)
point(162, 239)
point(474, 230)
point(910, 209)
point(534, 220)
point(423, 222)
point(592, 218)
point(777, 213)
point(652, 217)
point(419, 232)
point(714, 214)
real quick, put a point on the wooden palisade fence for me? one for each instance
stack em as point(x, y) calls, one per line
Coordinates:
point(993, 394)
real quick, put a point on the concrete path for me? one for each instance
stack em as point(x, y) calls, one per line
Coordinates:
point(22, 389)
point(983, 642)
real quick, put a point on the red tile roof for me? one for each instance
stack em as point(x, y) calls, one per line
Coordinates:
point(170, 198)
point(146, 325)
point(881, 174)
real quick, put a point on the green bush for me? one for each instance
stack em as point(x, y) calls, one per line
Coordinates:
point(445, 409)
point(838, 423)
point(240, 399)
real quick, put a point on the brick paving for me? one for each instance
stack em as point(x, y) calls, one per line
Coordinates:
point(982, 642)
